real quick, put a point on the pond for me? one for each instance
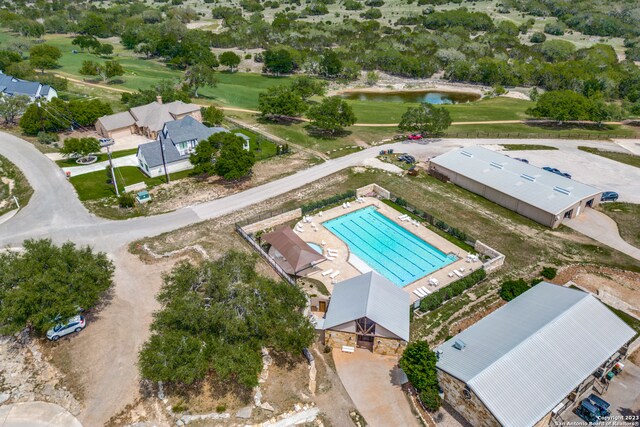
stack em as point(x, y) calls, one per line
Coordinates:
point(430, 96)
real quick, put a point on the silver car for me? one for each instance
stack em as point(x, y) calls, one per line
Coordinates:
point(75, 324)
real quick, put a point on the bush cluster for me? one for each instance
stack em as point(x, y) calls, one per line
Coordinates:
point(549, 272)
point(512, 288)
point(328, 201)
point(439, 297)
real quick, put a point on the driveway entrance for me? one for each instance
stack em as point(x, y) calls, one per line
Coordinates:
point(372, 382)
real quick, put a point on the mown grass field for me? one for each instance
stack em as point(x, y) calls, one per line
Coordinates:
point(523, 130)
point(627, 216)
point(102, 157)
point(626, 158)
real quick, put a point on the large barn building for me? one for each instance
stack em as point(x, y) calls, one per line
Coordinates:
point(531, 360)
point(535, 193)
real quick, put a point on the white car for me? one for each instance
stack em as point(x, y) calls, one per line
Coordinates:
point(75, 324)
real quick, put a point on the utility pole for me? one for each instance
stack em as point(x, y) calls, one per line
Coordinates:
point(106, 143)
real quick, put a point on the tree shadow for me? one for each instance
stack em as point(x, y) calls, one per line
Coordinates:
point(577, 126)
point(279, 120)
point(115, 82)
point(323, 134)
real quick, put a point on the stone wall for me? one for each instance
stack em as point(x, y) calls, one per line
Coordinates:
point(373, 188)
point(337, 339)
point(273, 221)
point(389, 346)
point(497, 259)
point(544, 422)
point(472, 409)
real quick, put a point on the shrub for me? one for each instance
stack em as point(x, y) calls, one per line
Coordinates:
point(439, 297)
point(512, 288)
point(372, 13)
point(47, 137)
point(126, 200)
point(537, 37)
point(430, 399)
point(549, 272)
point(328, 201)
point(554, 28)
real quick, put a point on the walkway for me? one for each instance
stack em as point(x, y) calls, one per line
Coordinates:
point(372, 381)
point(600, 227)
point(36, 414)
point(100, 166)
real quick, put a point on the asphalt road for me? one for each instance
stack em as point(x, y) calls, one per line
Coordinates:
point(54, 210)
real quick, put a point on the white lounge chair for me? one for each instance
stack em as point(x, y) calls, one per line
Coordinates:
point(401, 217)
point(418, 293)
point(450, 274)
point(344, 206)
point(457, 273)
point(327, 272)
point(330, 258)
point(348, 204)
point(334, 274)
point(320, 213)
point(434, 281)
point(425, 290)
point(323, 243)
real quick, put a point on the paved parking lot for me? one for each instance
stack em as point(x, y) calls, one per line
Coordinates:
point(624, 396)
point(605, 174)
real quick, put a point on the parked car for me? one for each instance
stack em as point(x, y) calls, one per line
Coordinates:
point(407, 158)
point(75, 324)
point(557, 171)
point(609, 196)
point(414, 136)
point(588, 412)
point(600, 404)
point(522, 160)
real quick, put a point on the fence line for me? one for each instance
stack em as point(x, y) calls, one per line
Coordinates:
point(265, 256)
point(261, 216)
point(519, 135)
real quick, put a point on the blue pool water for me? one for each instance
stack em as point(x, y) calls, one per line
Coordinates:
point(386, 247)
point(316, 247)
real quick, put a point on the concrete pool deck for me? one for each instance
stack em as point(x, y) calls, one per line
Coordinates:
point(346, 263)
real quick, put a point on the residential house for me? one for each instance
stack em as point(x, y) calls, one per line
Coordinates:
point(532, 359)
point(11, 86)
point(146, 120)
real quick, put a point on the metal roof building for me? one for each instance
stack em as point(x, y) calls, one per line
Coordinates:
point(538, 194)
point(522, 360)
point(291, 252)
point(372, 296)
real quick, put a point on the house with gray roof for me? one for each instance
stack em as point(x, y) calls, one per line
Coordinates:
point(11, 86)
point(173, 146)
point(145, 120)
point(367, 311)
point(540, 195)
point(532, 359)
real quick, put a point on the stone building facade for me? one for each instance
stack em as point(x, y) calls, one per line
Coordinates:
point(381, 345)
point(465, 401)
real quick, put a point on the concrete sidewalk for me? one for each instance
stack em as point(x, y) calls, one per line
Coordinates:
point(95, 167)
point(36, 414)
point(603, 229)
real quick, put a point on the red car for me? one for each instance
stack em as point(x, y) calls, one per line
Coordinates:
point(415, 136)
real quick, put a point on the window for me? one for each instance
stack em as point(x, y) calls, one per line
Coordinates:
point(365, 326)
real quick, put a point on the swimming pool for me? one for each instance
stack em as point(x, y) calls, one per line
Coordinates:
point(316, 247)
point(386, 247)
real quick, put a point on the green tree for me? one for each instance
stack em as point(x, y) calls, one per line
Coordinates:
point(85, 42)
point(229, 59)
point(204, 155)
point(419, 363)
point(20, 70)
point(46, 282)
point(216, 317)
point(111, 69)
point(44, 56)
point(562, 105)
point(509, 289)
point(12, 107)
point(212, 116)
point(330, 64)
point(81, 147)
point(89, 68)
point(200, 75)
point(308, 87)
point(425, 119)
point(104, 49)
point(332, 115)
point(278, 61)
point(233, 161)
point(281, 101)
point(431, 399)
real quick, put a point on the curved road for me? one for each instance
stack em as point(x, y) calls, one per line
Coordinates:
point(55, 212)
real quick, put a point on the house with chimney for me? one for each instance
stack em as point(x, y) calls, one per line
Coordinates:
point(146, 120)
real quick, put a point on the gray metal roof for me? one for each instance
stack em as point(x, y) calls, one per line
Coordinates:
point(178, 131)
point(14, 86)
point(372, 296)
point(540, 188)
point(526, 357)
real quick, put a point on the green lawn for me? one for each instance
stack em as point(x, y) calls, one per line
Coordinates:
point(522, 130)
point(484, 110)
point(522, 147)
point(266, 149)
point(626, 158)
point(102, 157)
point(92, 186)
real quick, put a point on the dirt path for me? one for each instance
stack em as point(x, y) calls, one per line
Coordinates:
point(105, 354)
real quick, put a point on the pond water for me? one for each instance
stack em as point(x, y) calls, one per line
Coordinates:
point(431, 97)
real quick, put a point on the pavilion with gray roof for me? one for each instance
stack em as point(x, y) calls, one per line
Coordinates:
point(540, 195)
point(519, 366)
point(368, 311)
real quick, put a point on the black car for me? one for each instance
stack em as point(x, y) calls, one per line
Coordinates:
point(609, 196)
